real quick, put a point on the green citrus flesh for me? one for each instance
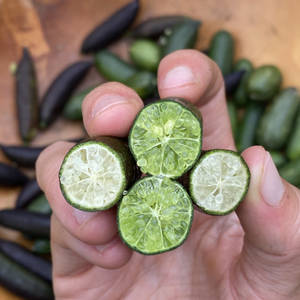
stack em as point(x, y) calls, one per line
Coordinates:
point(92, 176)
point(155, 216)
point(219, 181)
point(165, 138)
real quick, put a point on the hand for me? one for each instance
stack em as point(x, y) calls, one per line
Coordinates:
point(251, 254)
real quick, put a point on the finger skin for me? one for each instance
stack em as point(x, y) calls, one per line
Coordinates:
point(111, 255)
point(110, 109)
point(193, 76)
point(272, 239)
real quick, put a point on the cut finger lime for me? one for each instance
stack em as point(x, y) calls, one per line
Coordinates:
point(165, 138)
point(155, 216)
point(94, 174)
point(219, 181)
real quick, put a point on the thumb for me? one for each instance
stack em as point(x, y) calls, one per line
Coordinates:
point(270, 217)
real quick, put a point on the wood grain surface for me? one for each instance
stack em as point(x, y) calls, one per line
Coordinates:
point(265, 31)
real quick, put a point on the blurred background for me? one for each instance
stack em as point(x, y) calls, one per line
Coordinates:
point(265, 32)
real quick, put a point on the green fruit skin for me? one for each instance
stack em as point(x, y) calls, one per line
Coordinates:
point(221, 51)
point(183, 36)
point(249, 125)
point(293, 146)
point(243, 64)
point(144, 83)
point(72, 110)
point(233, 118)
point(40, 204)
point(264, 83)
point(41, 246)
point(276, 123)
point(291, 172)
point(240, 97)
point(146, 54)
point(22, 282)
point(112, 68)
point(278, 158)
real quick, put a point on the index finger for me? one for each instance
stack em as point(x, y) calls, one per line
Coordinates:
point(110, 110)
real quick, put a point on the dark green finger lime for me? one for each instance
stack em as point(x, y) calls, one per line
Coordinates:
point(144, 83)
point(278, 158)
point(221, 50)
point(277, 122)
point(264, 83)
point(240, 96)
point(72, 110)
point(182, 36)
point(112, 67)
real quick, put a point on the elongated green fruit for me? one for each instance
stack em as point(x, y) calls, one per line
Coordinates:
point(293, 147)
point(240, 96)
point(112, 67)
point(221, 50)
point(249, 126)
point(277, 122)
point(278, 158)
point(243, 64)
point(233, 118)
point(155, 216)
point(144, 83)
point(145, 54)
point(219, 181)
point(72, 110)
point(22, 282)
point(165, 138)
point(40, 205)
point(264, 83)
point(94, 174)
point(155, 26)
point(291, 172)
point(183, 36)
point(27, 97)
point(41, 246)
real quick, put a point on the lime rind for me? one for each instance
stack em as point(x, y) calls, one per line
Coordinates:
point(155, 216)
point(219, 181)
point(166, 138)
point(92, 176)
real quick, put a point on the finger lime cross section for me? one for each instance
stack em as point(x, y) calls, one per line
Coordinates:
point(165, 138)
point(155, 216)
point(219, 181)
point(94, 175)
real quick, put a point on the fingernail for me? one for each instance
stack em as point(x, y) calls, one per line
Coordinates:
point(105, 102)
point(177, 77)
point(82, 216)
point(272, 188)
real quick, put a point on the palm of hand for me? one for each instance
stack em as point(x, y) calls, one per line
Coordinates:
point(200, 269)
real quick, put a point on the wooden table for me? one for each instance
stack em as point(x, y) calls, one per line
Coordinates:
point(265, 32)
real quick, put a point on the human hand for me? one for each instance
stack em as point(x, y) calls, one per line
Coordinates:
point(251, 254)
